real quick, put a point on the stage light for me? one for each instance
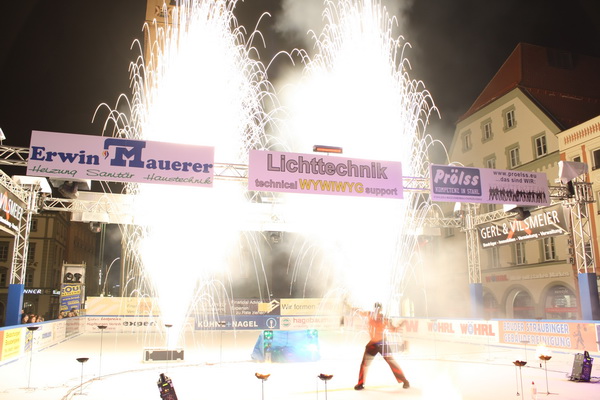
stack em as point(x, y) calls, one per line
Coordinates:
point(276, 237)
point(327, 149)
point(69, 277)
point(522, 212)
point(69, 190)
point(96, 227)
point(77, 278)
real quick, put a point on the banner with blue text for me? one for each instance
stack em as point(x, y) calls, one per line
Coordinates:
point(101, 158)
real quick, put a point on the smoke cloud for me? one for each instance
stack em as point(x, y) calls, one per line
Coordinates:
point(298, 18)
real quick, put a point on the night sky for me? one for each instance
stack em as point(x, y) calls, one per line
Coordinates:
point(60, 59)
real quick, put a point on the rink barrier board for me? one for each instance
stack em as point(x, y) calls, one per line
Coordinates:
point(570, 336)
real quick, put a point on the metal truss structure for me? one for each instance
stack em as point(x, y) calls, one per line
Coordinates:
point(468, 221)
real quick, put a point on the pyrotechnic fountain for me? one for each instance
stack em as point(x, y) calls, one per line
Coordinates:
point(356, 93)
point(200, 85)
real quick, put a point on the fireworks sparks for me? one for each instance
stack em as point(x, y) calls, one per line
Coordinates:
point(201, 85)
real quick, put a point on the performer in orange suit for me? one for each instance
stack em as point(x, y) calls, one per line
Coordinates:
point(377, 327)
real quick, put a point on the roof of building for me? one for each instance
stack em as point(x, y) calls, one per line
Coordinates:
point(566, 86)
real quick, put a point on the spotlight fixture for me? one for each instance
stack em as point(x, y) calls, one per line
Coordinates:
point(69, 277)
point(96, 227)
point(522, 214)
point(327, 149)
point(77, 277)
point(69, 190)
point(276, 237)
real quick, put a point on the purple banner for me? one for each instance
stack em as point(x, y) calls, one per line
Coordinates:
point(100, 158)
point(316, 174)
point(493, 186)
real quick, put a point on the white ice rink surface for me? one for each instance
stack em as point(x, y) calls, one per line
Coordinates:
point(218, 366)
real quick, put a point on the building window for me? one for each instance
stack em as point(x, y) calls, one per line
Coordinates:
point(596, 159)
point(486, 130)
point(34, 225)
point(577, 159)
point(549, 249)
point(3, 277)
point(31, 253)
point(490, 306)
point(29, 277)
point(598, 202)
point(466, 139)
point(561, 303)
point(490, 162)
point(495, 257)
point(541, 148)
point(509, 118)
point(520, 253)
point(513, 157)
point(523, 306)
point(3, 251)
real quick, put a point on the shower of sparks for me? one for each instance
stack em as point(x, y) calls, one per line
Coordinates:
point(200, 84)
point(356, 93)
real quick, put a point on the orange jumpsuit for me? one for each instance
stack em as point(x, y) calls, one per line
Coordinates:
point(377, 327)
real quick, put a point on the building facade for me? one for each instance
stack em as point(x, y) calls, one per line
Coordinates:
point(54, 240)
point(515, 124)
